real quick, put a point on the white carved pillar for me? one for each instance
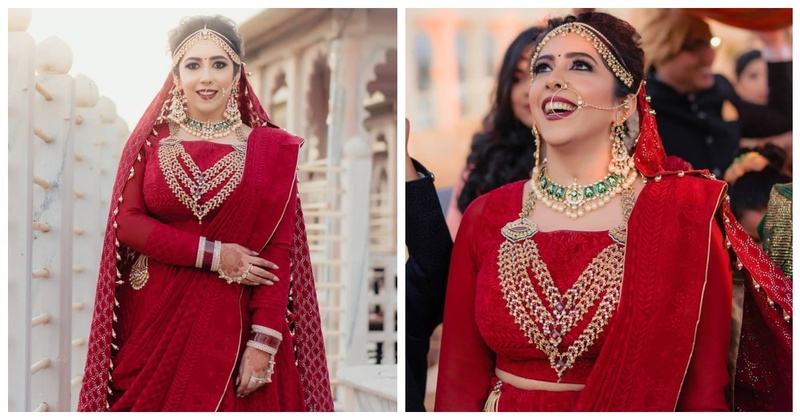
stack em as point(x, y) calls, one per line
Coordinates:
point(87, 239)
point(51, 288)
point(105, 146)
point(355, 254)
point(21, 91)
point(121, 136)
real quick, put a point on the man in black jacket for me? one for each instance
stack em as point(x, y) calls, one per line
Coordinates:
point(700, 117)
point(429, 247)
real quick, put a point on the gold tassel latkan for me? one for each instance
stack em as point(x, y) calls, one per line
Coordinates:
point(493, 401)
point(139, 274)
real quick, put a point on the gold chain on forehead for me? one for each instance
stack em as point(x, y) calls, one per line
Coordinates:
point(204, 34)
point(594, 37)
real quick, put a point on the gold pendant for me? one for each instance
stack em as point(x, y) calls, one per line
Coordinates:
point(139, 273)
point(619, 233)
point(519, 230)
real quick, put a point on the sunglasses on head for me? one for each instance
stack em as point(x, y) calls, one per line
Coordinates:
point(697, 45)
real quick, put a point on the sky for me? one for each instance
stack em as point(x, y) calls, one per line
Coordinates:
point(124, 51)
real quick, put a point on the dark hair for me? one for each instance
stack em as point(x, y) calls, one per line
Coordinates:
point(744, 60)
point(751, 190)
point(218, 23)
point(503, 151)
point(625, 43)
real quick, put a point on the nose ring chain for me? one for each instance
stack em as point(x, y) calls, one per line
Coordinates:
point(581, 103)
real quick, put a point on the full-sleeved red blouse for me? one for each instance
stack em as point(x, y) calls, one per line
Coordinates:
point(154, 222)
point(479, 334)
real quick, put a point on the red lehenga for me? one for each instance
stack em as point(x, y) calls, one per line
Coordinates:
point(666, 346)
point(175, 344)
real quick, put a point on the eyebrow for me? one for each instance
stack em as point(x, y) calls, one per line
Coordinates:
point(567, 55)
point(216, 57)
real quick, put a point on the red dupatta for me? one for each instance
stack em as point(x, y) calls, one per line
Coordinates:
point(639, 368)
point(210, 301)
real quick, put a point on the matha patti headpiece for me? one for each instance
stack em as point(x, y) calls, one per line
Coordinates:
point(205, 34)
point(596, 39)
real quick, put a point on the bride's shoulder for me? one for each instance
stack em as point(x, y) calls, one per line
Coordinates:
point(275, 134)
point(690, 188)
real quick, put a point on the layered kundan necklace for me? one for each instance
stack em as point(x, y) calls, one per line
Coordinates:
point(190, 184)
point(546, 324)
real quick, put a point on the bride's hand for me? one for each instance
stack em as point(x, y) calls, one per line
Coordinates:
point(253, 371)
point(236, 259)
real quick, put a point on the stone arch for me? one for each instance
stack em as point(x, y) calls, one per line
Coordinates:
point(383, 84)
point(279, 99)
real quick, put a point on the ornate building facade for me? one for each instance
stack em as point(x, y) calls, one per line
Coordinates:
point(330, 76)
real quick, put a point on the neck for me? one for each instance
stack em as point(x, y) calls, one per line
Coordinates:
point(585, 161)
point(203, 118)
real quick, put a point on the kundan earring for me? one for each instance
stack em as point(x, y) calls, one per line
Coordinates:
point(537, 144)
point(619, 153)
point(177, 109)
point(232, 109)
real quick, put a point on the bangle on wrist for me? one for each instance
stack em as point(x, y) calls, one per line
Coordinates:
point(208, 254)
point(216, 256)
point(264, 338)
point(201, 249)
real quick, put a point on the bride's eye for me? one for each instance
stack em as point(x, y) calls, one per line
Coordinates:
point(541, 68)
point(581, 65)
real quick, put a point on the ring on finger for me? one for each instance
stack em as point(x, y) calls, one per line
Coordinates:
point(260, 381)
point(253, 279)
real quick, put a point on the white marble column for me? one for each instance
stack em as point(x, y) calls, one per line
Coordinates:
point(120, 138)
point(105, 146)
point(355, 253)
point(21, 91)
point(87, 239)
point(51, 288)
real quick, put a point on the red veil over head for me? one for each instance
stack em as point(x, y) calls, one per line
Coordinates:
point(116, 258)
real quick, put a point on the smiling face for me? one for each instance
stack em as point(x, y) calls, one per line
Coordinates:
point(752, 85)
point(205, 74)
point(571, 60)
point(519, 93)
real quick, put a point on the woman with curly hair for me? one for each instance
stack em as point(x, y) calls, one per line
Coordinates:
point(503, 151)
